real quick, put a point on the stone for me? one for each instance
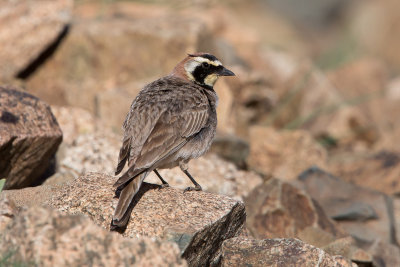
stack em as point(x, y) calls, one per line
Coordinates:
point(275, 253)
point(44, 237)
point(385, 254)
point(28, 31)
point(215, 175)
point(278, 209)
point(135, 49)
point(377, 170)
point(97, 151)
point(364, 213)
point(231, 148)
point(8, 210)
point(284, 154)
point(198, 221)
point(29, 137)
point(73, 122)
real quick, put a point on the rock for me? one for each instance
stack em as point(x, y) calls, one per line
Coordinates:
point(275, 252)
point(278, 209)
point(7, 212)
point(284, 154)
point(215, 175)
point(385, 254)
point(73, 122)
point(29, 137)
point(378, 170)
point(231, 148)
point(28, 31)
point(90, 152)
point(44, 237)
point(365, 214)
point(199, 222)
point(135, 48)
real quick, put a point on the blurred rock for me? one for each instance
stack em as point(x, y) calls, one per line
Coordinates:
point(396, 208)
point(215, 175)
point(7, 212)
point(199, 222)
point(28, 33)
point(385, 254)
point(378, 171)
point(231, 148)
point(73, 121)
point(375, 26)
point(278, 209)
point(114, 53)
point(365, 214)
point(90, 152)
point(284, 154)
point(276, 252)
point(29, 137)
point(74, 240)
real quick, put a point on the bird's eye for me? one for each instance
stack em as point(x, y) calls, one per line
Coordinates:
point(205, 65)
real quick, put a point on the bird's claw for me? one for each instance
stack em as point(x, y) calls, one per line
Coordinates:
point(162, 186)
point(196, 188)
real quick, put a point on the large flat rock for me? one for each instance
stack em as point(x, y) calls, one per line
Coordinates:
point(197, 221)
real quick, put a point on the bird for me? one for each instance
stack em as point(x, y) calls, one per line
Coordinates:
point(171, 121)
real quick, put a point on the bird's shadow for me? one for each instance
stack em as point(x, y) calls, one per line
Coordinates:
point(143, 189)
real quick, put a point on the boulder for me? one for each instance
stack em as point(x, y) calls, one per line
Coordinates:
point(45, 237)
point(28, 33)
point(284, 154)
point(376, 170)
point(197, 221)
point(275, 253)
point(278, 209)
point(135, 48)
point(364, 213)
point(29, 137)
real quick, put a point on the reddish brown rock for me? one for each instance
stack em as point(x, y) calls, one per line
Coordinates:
point(364, 213)
point(7, 212)
point(29, 137)
point(44, 237)
point(276, 253)
point(284, 154)
point(278, 209)
point(28, 30)
point(199, 222)
point(377, 171)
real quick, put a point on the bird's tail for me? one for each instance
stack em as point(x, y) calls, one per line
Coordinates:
point(122, 211)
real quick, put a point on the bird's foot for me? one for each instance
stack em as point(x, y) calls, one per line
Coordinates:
point(196, 188)
point(162, 186)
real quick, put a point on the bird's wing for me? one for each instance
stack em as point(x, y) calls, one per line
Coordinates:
point(173, 129)
point(139, 123)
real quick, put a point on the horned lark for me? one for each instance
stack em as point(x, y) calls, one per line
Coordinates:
point(171, 121)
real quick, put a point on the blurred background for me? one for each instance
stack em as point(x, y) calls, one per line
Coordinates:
point(317, 82)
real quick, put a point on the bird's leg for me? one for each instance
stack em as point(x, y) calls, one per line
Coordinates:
point(196, 187)
point(164, 183)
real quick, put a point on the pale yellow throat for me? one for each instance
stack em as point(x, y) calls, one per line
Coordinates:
point(211, 79)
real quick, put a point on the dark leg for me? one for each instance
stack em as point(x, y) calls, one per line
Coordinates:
point(164, 183)
point(196, 187)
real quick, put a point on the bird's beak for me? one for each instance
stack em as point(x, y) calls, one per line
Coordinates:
point(226, 72)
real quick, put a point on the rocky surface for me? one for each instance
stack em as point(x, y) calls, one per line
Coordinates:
point(278, 209)
point(28, 31)
point(45, 237)
point(364, 213)
point(199, 222)
point(284, 154)
point(29, 137)
point(276, 252)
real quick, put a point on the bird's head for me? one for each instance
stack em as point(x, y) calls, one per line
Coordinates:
point(202, 68)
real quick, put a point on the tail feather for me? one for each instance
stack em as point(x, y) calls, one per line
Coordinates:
point(122, 212)
point(129, 175)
